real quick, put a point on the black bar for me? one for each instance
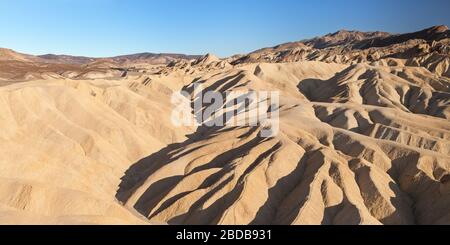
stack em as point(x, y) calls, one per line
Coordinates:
point(221, 234)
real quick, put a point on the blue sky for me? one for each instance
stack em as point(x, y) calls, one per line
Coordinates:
point(101, 28)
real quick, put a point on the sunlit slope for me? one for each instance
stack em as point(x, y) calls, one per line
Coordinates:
point(66, 144)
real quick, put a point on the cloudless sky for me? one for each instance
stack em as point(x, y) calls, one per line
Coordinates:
point(101, 28)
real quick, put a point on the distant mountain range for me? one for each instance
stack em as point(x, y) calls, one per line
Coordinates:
point(428, 48)
point(149, 58)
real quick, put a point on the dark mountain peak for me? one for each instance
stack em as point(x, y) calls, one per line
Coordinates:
point(342, 37)
point(434, 33)
point(341, 32)
point(437, 29)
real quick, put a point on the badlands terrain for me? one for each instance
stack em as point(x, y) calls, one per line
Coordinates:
point(364, 136)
